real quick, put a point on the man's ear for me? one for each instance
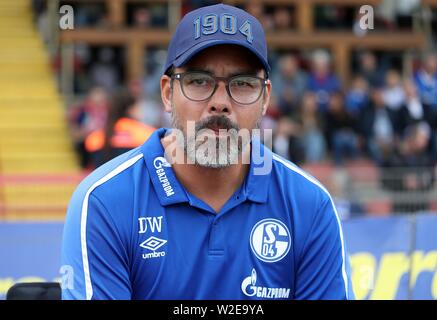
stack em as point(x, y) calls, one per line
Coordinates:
point(266, 98)
point(166, 92)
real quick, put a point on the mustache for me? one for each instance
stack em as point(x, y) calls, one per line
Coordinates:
point(221, 122)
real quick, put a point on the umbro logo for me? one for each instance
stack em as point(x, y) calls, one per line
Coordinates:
point(153, 244)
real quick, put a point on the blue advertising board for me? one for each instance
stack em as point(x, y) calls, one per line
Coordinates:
point(29, 252)
point(424, 259)
point(393, 257)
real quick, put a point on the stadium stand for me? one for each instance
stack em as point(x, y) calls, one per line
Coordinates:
point(118, 42)
point(35, 145)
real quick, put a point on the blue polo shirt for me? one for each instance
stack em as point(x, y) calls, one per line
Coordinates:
point(427, 87)
point(132, 231)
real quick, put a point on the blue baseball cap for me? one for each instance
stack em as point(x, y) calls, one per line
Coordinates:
point(215, 25)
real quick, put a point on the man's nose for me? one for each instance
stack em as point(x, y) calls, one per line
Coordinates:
point(220, 102)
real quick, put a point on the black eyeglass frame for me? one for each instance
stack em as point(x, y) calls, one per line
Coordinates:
point(180, 76)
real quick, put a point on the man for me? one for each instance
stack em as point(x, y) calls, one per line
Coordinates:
point(321, 80)
point(426, 80)
point(175, 219)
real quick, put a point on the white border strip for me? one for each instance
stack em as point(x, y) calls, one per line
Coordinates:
point(113, 173)
point(313, 180)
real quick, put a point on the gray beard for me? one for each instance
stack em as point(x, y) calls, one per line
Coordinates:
point(217, 153)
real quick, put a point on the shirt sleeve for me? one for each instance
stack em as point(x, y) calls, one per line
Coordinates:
point(323, 267)
point(93, 253)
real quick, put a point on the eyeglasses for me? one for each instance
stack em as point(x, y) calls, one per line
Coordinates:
point(200, 86)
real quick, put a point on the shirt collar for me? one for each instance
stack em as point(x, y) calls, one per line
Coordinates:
point(258, 179)
point(164, 181)
point(170, 191)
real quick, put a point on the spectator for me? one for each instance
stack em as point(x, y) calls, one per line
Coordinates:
point(123, 127)
point(87, 117)
point(369, 70)
point(426, 80)
point(282, 18)
point(321, 80)
point(340, 129)
point(141, 18)
point(286, 141)
point(311, 133)
point(393, 92)
point(104, 72)
point(290, 83)
point(394, 98)
point(414, 110)
point(378, 126)
point(357, 98)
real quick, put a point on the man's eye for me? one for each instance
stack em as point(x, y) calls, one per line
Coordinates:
point(198, 81)
point(243, 83)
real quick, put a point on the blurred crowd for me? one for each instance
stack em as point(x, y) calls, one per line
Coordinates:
point(375, 115)
point(125, 115)
point(381, 114)
point(314, 116)
point(385, 113)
